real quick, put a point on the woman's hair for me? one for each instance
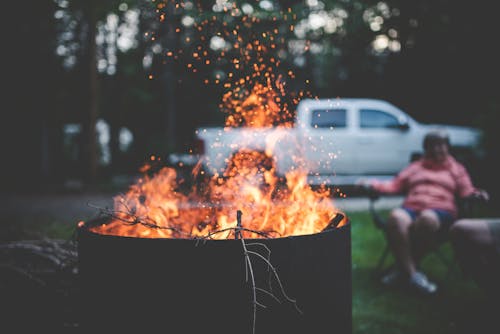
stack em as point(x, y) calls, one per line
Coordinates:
point(434, 137)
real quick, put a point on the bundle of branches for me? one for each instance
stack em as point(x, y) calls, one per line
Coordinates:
point(37, 284)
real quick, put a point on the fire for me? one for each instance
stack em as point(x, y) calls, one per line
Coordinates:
point(271, 205)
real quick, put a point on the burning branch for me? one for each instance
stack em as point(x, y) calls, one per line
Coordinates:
point(145, 221)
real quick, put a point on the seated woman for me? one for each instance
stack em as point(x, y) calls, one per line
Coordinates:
point(431, 185)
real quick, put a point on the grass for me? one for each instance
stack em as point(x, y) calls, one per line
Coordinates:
point(16, 227)
point(392, 310)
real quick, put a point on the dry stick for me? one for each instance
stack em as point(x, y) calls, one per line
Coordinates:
point(293, 301)
point(33, 249)
point(137, 220)
point(248, 267)
point(268, 258)
point(59, 258)
point(270, 266)
point(235, 229)
point(140, 220)
point(270, 295)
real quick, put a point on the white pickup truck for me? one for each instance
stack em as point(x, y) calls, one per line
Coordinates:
point(336, 140)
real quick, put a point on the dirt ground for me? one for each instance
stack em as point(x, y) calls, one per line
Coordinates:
point(48, 214)
point(61, 207)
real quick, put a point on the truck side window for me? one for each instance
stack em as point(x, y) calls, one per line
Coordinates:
point(370, 118)
point(327, 118)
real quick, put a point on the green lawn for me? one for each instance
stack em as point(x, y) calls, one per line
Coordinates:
point(391, 310)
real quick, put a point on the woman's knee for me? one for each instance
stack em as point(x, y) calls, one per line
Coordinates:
point(470, 231)
point(427, 221)
point(398, 219)
point(459, 230)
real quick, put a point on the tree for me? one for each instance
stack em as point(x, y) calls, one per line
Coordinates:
point(30, 117)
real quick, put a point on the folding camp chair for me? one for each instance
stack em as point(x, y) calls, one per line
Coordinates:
point(381, 224)
point(467, 208)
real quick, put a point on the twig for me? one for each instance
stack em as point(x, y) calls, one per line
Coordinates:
point(249, 270)
point(52, 253)
point(268, 258)
point(293, 301)
point(269, 294)
point(145, 221)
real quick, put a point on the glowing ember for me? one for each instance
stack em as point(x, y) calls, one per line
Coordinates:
point(255, 97)
point(260, 108)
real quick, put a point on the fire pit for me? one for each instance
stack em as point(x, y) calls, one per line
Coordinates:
point(202, 286)
point(260, 257)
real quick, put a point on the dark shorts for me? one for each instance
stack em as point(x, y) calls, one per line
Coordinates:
point(446, 219)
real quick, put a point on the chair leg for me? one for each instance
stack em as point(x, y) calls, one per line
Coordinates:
point(438, 252)
point(447, 263)
point(382, 259)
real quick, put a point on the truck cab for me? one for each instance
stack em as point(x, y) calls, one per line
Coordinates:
point(368, 137)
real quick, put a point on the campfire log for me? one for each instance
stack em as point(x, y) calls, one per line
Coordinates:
point(199, 286)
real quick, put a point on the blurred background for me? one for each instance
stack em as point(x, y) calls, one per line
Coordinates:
point(96, 87)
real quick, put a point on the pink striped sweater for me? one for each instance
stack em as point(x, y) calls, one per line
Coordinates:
point(429, 185)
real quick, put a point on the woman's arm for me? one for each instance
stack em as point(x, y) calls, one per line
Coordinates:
point(397, 185)
point(465, 188)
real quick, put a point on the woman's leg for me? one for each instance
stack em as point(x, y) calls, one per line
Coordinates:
point(424, 234)
point(398, 235)
point(475, 249)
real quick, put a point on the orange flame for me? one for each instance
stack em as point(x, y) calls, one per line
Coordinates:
point(271, 206)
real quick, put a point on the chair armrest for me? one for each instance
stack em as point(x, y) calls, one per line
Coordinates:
point(467, 206)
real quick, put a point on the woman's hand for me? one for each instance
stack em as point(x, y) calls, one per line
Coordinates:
point(482, 195)
point(366, 187)
point(363, 184)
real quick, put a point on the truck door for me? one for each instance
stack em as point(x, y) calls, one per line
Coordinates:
point(327, 136)
point(384, 142)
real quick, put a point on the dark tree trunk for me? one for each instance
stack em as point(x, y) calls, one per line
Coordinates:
point(115, 121)
point(28, 104)
point(90, 112)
